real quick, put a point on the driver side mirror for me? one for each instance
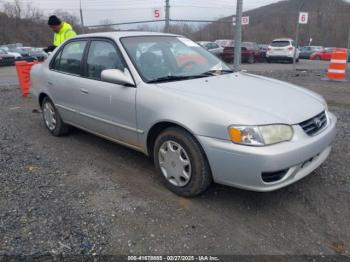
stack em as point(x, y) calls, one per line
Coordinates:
point(117, 76)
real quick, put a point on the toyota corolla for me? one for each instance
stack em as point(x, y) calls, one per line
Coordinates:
point(198, 120)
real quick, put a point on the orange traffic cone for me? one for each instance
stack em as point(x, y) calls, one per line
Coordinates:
point(337, 67)
point(23, 72)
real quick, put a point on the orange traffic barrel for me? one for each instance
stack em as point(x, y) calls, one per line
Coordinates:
point(23, 73)
point(337, 66)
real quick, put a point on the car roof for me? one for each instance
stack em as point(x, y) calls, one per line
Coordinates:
point(120, 34)
point(282, 39)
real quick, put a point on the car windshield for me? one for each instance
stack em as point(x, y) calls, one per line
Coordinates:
point(170, 58)
point(280, 43)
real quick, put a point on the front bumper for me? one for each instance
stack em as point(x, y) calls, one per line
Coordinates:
point(242, 166)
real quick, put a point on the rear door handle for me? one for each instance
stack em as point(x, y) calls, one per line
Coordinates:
point(84, 91)
point(50, 83)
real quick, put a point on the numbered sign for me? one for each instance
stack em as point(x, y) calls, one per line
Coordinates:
point(245, 20)
point(303, 18)
point(157, 13)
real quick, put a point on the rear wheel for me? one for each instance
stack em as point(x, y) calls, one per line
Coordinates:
point(181, 162)
point(52, 118)
point(251, 59)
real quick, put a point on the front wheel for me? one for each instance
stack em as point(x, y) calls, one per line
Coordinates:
point(181, 162)
point(52, 118)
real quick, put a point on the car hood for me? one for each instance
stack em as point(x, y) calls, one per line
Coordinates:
point(14, 54)
point(6, 56)
point(251, 99)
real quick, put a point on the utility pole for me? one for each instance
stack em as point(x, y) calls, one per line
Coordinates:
point(297, 36)
point(349, 47)
point(238, 35)
point(167, 16)
point(81, 18)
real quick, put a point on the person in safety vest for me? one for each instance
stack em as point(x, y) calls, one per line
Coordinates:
point(62, 30)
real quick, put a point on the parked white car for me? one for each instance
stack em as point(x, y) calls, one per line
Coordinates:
point(282, 49)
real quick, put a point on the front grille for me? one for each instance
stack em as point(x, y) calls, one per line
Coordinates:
point(315, 124)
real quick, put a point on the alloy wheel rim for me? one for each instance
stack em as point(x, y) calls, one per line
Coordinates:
point(174, 163)
point(49, 116)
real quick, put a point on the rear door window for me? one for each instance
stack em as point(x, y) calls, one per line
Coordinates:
point(69, 60)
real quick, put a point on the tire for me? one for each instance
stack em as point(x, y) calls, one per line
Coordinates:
point(56, 126)
point(268, 60)
point(251, 59)
point(177, 144)
point(317, 57)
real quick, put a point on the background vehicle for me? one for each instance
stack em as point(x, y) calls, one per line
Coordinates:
point(263, 49)
point(228, 49)
point(197, 128)
point(282, 49)
point(250, 52)
point(24, 52)
point(37, 53)
point(325, 54)
point(15, 54)
point(6, 59)
point(212, 47)
point(307, 51)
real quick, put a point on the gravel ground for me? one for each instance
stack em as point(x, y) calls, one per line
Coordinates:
point(80, 194)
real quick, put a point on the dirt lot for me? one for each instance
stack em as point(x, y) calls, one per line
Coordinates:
point(83, 195)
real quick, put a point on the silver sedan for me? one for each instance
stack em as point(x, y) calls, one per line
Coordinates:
point(198, 120)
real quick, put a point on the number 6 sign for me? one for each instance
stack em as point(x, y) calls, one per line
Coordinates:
point(157, 14)
point(303, 18)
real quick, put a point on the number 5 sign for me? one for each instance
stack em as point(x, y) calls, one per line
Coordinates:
point(157, 13)
point(303, 18)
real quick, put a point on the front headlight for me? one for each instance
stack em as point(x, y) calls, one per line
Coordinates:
point(260, 135)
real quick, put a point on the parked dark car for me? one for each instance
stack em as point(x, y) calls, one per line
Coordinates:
point(250, 52)
point(37, 53)
point(6, 59)
point(212, 47)
point(307, 51)
point(263, 49)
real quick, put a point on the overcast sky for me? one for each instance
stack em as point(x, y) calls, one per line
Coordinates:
point(117, 11)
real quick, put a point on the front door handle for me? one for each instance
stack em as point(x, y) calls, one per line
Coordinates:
point(84, 91)
point(50, 83)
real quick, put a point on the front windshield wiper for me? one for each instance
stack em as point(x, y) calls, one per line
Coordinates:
point(216, 72)
point(179, 78)
point(169, 79)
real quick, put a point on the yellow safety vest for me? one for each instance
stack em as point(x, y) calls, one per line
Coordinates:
point(65, 33)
